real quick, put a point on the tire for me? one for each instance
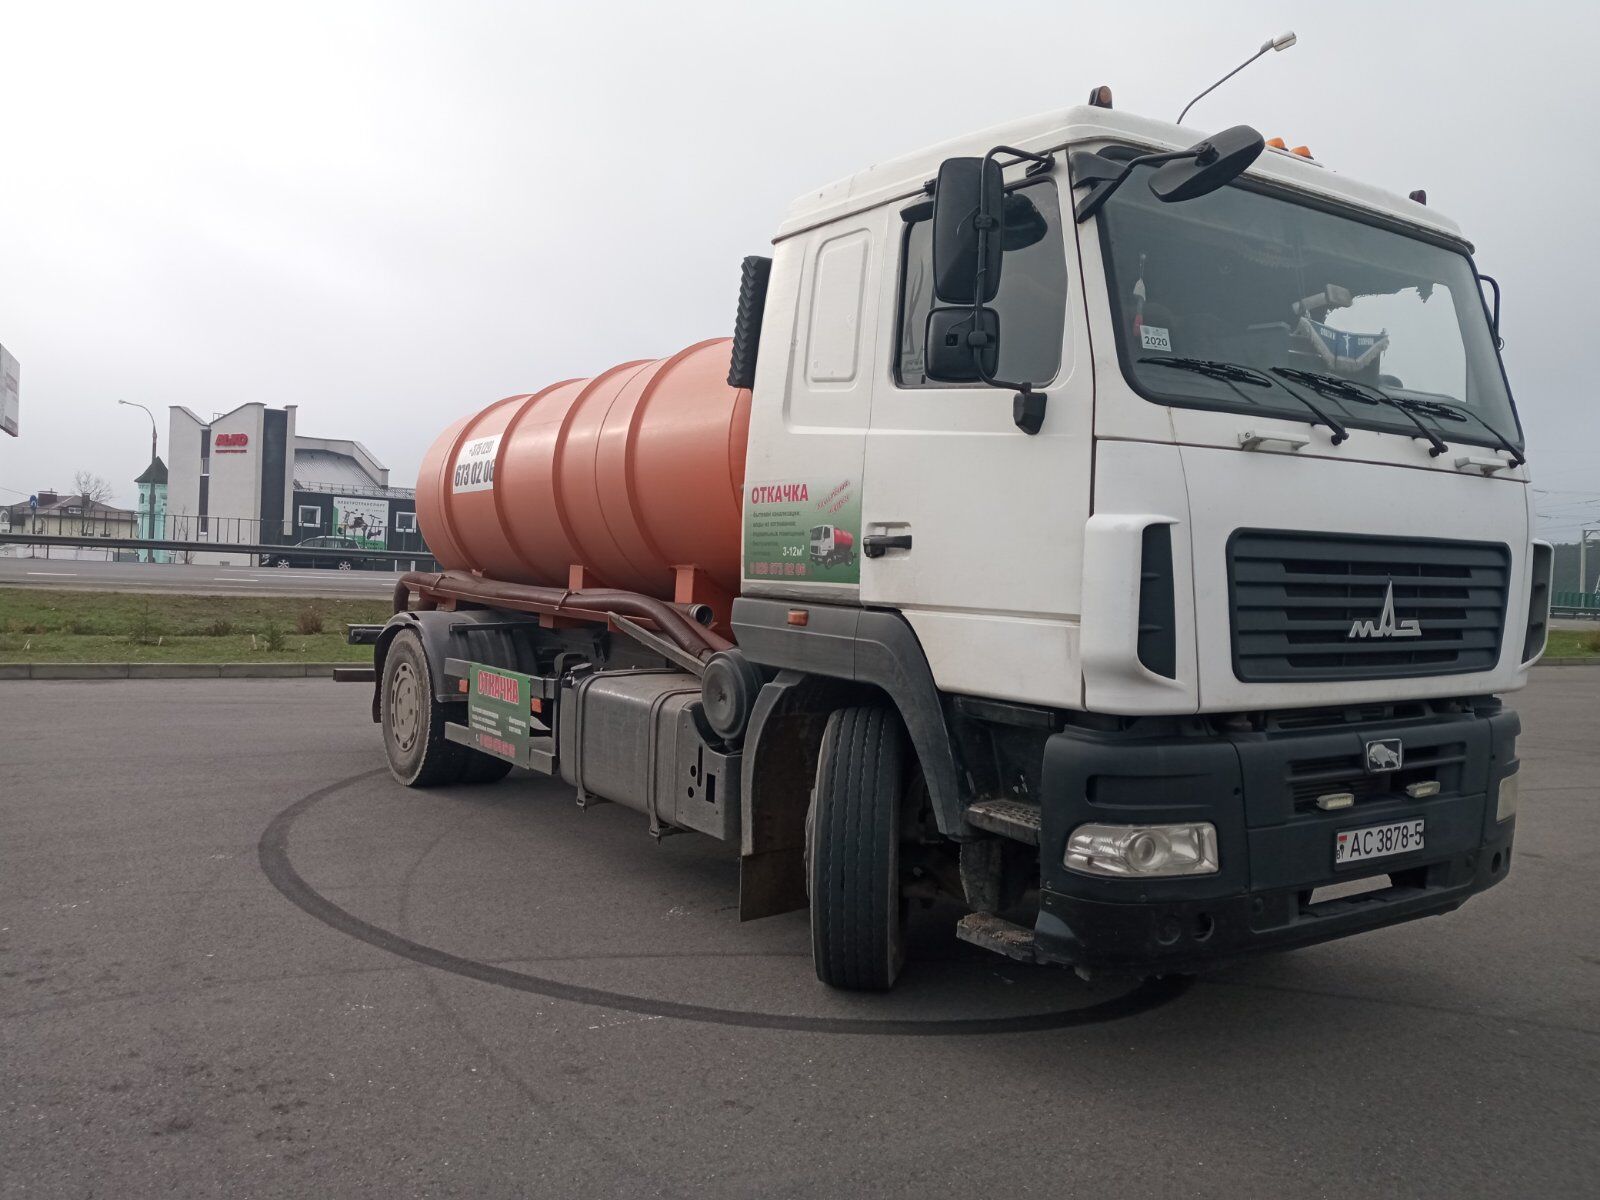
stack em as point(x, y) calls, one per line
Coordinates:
point(346, 566)
point(413, 721)
point(478, 767)
point(282, 563)
point(853, 850)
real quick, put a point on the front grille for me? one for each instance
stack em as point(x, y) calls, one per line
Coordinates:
point(1297, 597)
point(1309, 778)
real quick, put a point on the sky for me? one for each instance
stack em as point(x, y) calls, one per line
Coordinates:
point(394, 213)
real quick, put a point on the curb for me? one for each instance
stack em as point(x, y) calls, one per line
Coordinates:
point(315, 670)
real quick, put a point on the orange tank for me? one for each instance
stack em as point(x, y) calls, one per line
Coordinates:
point(634, 477)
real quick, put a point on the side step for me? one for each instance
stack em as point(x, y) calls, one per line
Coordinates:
point(997, 934)
point(1009, 818)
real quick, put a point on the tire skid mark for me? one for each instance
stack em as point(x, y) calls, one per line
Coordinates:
point(276, 864)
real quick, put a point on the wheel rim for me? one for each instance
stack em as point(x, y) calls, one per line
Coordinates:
point(344, 566)
point(283, 564)
point(405, 708)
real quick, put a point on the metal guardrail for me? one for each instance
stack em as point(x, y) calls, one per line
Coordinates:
point(1575, 604)
point(423, 559)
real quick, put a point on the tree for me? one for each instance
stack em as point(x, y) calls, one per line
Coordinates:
point(91, 487)
point(94, 490)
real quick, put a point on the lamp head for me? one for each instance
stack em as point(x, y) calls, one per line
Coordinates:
point(1282, 42)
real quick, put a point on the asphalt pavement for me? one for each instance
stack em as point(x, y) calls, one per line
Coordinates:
point(239, 960)
point(192, 580)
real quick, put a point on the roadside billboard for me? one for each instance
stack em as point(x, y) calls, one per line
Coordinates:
point(9, 391)
point(362, 518)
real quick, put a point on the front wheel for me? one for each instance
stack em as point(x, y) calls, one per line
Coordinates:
point(853, 850)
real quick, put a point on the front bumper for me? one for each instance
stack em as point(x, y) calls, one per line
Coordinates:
point(1275, 846)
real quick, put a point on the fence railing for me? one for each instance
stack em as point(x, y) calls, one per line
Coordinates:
point(343, 489)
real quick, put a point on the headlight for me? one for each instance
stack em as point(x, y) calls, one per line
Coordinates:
point(1505, 804)
point(1143, 851)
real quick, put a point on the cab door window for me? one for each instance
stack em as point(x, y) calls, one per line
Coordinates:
point(1031, 302)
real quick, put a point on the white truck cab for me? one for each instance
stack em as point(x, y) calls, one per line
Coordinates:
point(1021, 578)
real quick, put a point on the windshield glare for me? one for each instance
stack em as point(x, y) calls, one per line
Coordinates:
point(1244, 277)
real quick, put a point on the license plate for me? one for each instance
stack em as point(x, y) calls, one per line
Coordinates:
point(1377, 841)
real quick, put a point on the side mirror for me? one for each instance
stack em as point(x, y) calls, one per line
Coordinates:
point(966, 255)
point(1208, 165)
point(952, 354)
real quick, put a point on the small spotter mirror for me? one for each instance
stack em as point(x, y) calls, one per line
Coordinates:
point(1207, 165)
point(957, 342)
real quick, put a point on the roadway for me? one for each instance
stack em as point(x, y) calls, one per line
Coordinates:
point(191, 580)
point(239, 960)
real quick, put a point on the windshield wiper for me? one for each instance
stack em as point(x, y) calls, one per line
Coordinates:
point(1454, 412)
point(1352, 389)
point(1231, 373)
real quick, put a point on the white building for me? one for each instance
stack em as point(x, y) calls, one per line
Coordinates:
point(248, 476)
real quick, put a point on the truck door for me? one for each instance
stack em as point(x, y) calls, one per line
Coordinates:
point(808, 420)
point(990, 579)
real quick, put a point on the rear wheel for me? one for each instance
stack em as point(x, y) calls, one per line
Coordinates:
point(413, 720)
point(853, 850)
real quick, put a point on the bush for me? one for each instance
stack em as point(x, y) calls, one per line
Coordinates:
point(81, 626)
point(1590, 642)
point(309, 620)
point(145, 629)
point(221, 627)
point(272, 637)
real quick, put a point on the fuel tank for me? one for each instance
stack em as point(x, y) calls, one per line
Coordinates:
point(629, 475)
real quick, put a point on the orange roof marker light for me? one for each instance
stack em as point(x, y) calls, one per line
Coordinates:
point(1302, 151)
point(1277, 143)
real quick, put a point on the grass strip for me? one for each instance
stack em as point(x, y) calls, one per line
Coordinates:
point(42, 626)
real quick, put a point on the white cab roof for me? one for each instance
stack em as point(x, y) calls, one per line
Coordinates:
point(900, 178)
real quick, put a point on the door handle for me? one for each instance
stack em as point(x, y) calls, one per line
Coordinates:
point(876, 545)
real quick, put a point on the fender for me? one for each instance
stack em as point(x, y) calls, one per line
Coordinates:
point(862, 646)
point(477, 634)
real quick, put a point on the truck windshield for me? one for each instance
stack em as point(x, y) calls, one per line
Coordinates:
point(1250, 279)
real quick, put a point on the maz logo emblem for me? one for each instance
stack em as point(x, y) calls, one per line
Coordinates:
point(1386, 626)
point(1384, 755)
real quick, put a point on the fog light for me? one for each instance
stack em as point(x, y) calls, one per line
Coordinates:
point(1336, 800)
point(1505, 804)
point(1422, 790)
point(1143, 851)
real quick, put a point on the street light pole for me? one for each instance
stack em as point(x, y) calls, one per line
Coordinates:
point(150, 493)
point(152, 417)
